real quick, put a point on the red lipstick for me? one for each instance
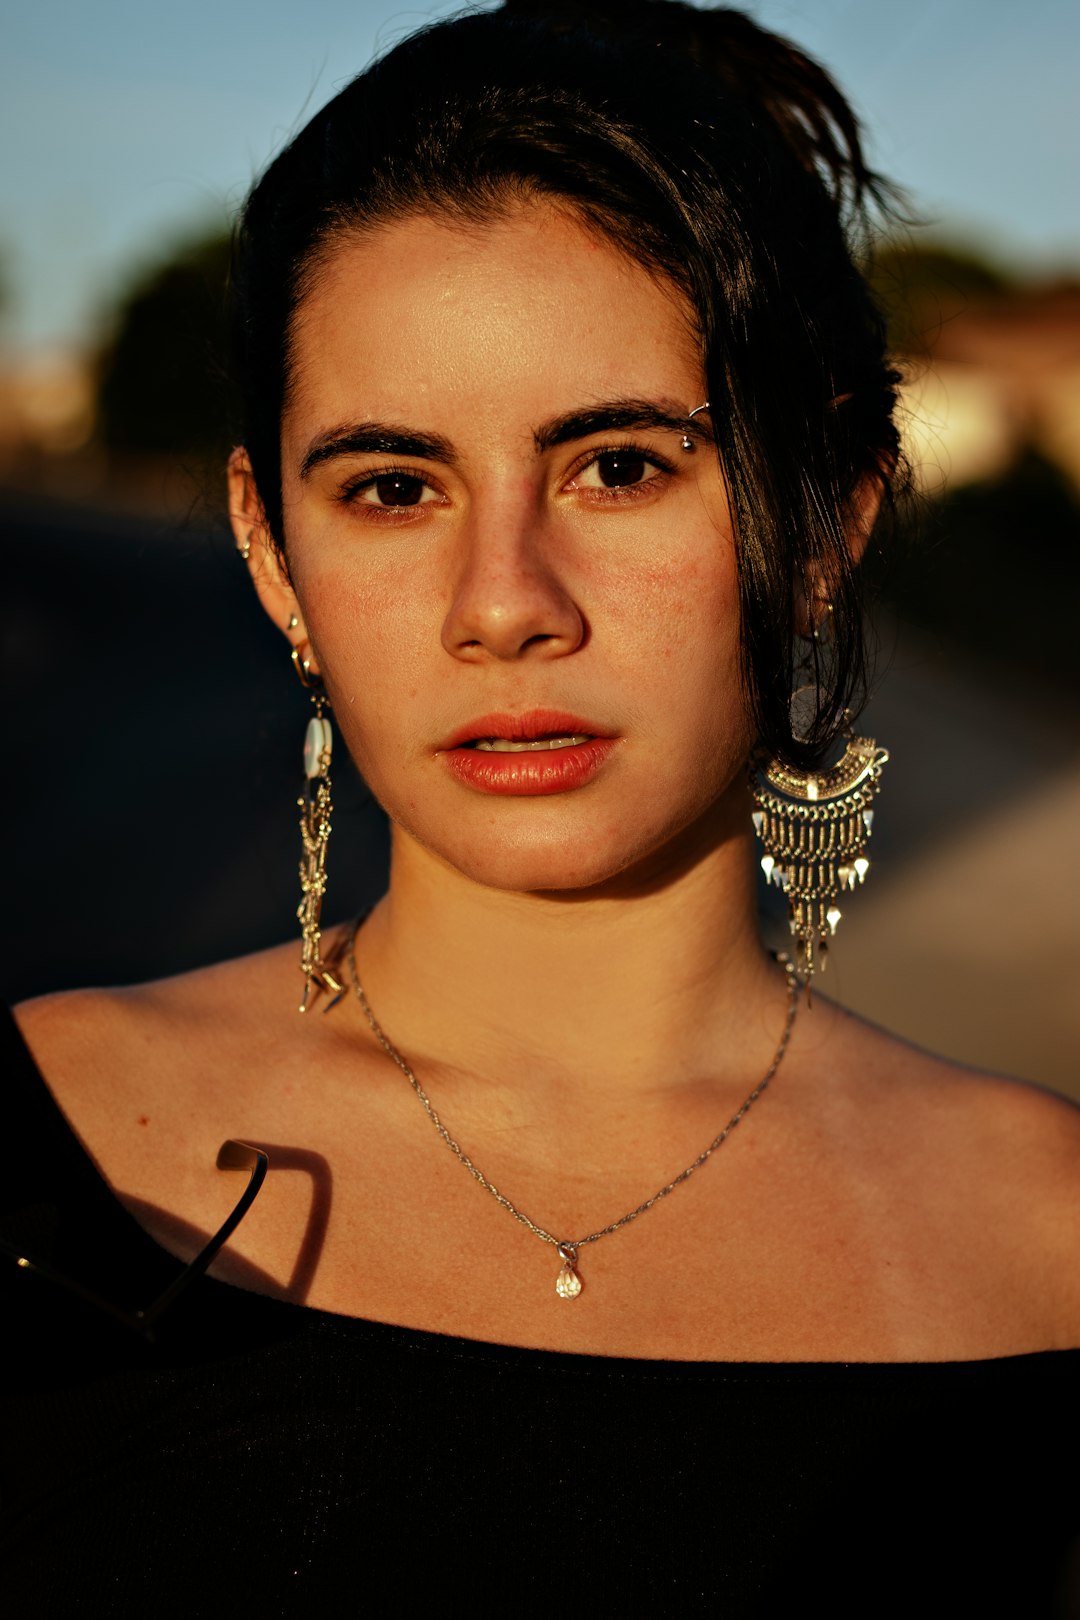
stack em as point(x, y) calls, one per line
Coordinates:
point(543, 751)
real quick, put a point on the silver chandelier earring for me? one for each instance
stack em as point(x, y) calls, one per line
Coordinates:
point(814, 827)
point(316, 807)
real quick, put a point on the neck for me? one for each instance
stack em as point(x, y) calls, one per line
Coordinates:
point(654, 979)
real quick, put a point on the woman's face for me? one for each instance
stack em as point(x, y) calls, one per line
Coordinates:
point(498, 543)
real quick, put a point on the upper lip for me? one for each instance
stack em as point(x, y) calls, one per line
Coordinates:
point(523, 727)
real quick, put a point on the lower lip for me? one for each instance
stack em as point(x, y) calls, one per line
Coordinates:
point(549, 770)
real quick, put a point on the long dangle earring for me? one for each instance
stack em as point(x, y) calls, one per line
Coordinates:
point(316, 808)
point(814, 828)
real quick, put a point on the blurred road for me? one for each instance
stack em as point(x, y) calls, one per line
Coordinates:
point(965, 934)
point(969, 946)
point(156, 730)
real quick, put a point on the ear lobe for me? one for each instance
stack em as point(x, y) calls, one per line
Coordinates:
point(813, 603)
point(266, 565)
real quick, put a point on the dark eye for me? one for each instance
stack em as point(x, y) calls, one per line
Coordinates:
point(623, 470)
point(617, 469)
point(394, 489)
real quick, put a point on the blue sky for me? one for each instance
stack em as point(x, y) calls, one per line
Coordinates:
point(126, 122)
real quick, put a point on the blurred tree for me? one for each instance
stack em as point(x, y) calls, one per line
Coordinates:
point(923, 285)
point(162, 375)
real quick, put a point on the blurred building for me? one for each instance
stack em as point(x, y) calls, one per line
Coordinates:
point(46, 407)
point(1001, 376)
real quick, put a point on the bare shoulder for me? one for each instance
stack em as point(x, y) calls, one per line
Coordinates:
point(986, 1168)
point(153, 1078)
point(96, 1048)
point(977, 1118)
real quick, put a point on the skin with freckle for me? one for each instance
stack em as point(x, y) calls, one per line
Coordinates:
point(405, 610)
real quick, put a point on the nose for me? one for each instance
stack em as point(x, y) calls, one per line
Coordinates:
point(510, 600)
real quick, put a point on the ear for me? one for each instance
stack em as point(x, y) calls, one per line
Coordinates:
point(862, 512)
point(266, 565)
point(813, 595)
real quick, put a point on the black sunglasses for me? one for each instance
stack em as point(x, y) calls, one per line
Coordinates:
point(232, 1155)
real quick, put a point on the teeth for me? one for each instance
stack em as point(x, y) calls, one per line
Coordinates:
point(534, 745)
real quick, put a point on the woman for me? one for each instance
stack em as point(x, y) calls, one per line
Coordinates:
point(567, 422)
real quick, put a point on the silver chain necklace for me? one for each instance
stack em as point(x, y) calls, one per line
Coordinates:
point(568, 1284)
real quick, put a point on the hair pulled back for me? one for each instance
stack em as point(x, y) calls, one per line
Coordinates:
point(712, 153)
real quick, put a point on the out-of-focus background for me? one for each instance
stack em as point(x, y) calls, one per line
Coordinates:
point(154, 721)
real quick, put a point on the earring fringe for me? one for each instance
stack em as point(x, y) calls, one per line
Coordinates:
point(814, 828)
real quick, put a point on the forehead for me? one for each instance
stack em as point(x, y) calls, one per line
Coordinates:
point(501, 322)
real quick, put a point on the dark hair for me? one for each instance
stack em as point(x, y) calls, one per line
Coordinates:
point(712, 153)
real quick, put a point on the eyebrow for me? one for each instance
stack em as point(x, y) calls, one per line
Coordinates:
point(617, 415)
point(392, 439)
point(375, 439)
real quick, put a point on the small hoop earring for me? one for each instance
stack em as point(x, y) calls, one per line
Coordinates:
point(301, 662)
point(822, 631)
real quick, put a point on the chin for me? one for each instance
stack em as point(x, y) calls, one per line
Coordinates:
point(530, 865)
point(528, 872)
point(561, 860)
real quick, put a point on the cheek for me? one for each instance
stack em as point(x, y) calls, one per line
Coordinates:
point(367, 628)
point(681, 611)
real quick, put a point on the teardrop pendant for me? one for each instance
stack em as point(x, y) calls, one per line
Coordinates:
point(568, 1283)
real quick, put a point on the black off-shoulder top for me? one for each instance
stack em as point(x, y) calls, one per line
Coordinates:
point(263, 1457)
